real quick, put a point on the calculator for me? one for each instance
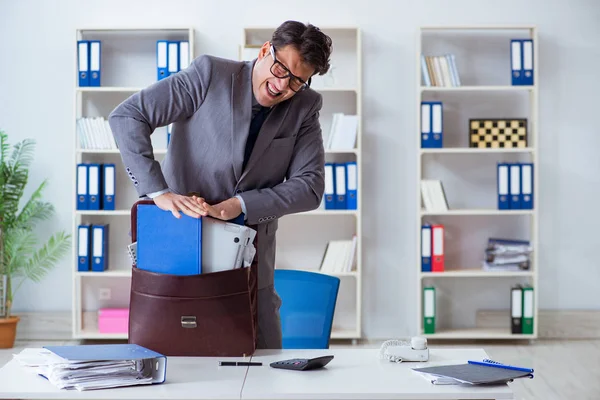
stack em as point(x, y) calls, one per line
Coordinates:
point(302, 364)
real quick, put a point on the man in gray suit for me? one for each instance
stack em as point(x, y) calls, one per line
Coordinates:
point(246, 137)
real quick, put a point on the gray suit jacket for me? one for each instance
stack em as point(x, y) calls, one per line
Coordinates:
point(210, 105)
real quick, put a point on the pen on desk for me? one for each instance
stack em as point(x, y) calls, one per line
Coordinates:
point(497, 365)
point(238, 363)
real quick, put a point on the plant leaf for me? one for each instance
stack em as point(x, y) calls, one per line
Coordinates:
point(46, 257)
point(19, 245)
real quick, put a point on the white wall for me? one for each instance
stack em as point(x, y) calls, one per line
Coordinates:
point(36, 100)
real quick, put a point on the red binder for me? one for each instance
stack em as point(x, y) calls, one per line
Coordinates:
point(437, 242)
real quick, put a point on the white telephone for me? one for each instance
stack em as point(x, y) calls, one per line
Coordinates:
point(399, 350)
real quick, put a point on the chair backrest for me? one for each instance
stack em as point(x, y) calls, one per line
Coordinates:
point(307, 309)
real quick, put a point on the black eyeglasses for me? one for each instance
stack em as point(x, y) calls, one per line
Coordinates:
point(280, 71)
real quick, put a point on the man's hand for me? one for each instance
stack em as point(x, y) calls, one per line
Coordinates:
point(225, 210)
point(175, 203)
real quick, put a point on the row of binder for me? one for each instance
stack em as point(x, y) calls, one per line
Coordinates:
point(95, 133)
point(431, 124)
point(432, 248)
point(95, 186)
point(341, 186)
point(88, 62)
point(521, 60)
point(521, 309)
point(171, 57)
point(440, 70)
point(92, 247)
point(515, 186)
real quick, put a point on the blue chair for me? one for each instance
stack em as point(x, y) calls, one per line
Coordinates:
point(308, 303)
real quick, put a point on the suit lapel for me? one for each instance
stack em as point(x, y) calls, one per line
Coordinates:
point(241, 113)
point(266, 134)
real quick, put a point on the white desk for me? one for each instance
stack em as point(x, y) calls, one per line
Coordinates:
point(359, 374)
point(352, 374)
point(187, 378)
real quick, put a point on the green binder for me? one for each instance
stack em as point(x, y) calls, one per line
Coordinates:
point(527, 318)
point(429, 309)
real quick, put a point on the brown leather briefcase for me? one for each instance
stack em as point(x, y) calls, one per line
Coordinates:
point(213, 314)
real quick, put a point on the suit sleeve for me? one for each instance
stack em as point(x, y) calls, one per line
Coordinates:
point(305, 178)
point(166, 101)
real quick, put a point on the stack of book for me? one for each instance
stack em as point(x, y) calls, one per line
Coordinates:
point(95, 133)
point(433, 195)
point(339, 256)
point(507, 255)
point(440, 70)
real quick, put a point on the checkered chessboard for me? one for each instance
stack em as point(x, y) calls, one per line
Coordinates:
point(498, 133)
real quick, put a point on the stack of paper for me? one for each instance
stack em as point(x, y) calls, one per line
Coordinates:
point(507, 255)
point(433, 195)
point(88, 367)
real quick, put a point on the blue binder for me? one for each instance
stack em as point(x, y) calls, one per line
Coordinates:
point(83, 63)
point(161, 60)
point(432, 122)
point(108, 184)
point(528, 67)
point(503, 186)
point(515, 186)
point(351, 185)
point(516, 62)
point(329, 186)
point(114, 352)
point(95, 62)
point(166, 244)
point(94, 181)
point(527, 185)
point(99, 248)
point(172, 57)
point(83, 247)
point(340, 186)
point(426, 247)
point(82, 187)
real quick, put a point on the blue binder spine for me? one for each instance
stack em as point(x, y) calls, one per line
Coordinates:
point(82, 187)
point(184, 54)
point(437, 124)
point(83, 63)
point(503, 186)
point(83, 247)
point(426, 248)
point(161, 59)
point(329, 187)
point(516, 62)
point(528, 66)
point(352, 185)
point(173, 57)
point(108, 183)
point(169, 131)
point(515, 186)
point(94, 187)
point(527, 186)
point(100, 248)
point(95, 62)
point(340, 186)
point(426, 136)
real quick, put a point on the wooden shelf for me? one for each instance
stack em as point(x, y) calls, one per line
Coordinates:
point(344, 334)
point(107, 213)
point(94, 334)
point(105, 274)
point(326, 212)
point(463, 150)
point(490, 212)
point(477, 333)
point(476, 273)
point(114, 151)
point(481, 88)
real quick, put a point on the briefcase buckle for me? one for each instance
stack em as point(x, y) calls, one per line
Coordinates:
point(188, 321)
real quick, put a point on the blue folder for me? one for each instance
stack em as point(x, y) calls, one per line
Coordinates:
point(166, 244)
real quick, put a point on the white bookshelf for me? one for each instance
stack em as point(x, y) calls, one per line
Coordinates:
point(302, 238)
point(468, 176)
point(128, 64)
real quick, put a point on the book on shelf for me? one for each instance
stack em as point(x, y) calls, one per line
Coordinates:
point(95, 133)
point(440, 70)
point(433, 195)
point(339, 257)
point(507, 255)
point(343, 132)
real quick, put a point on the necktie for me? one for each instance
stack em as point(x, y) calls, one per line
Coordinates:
point(255, 125)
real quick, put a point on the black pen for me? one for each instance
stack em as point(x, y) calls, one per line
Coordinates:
point(238, 363)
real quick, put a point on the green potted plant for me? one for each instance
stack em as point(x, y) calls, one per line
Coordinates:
point(19, 258)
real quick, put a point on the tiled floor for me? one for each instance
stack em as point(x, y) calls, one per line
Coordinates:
point(563, 369)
